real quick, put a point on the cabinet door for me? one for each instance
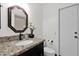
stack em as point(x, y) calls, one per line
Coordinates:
point(68, 28)
point(35, 51)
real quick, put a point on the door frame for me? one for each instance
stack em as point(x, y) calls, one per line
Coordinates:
point(59, 26)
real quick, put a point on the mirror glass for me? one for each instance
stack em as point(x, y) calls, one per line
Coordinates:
point(18, 19)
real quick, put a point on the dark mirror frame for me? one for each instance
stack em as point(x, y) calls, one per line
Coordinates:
point(9, 19)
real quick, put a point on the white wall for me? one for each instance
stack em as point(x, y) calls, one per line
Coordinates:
point(34, 15)
point(50, 22)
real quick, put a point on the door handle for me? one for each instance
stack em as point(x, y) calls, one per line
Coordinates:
point(75, 36)
point(75, 32)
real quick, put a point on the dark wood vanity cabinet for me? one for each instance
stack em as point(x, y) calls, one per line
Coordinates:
point(38, 50)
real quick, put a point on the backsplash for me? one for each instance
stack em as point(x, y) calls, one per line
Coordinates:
point(10, 38)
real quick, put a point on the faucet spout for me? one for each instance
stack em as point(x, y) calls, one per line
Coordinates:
point(20, 38)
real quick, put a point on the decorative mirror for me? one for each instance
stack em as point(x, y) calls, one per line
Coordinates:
point(17, 19)
point(0, 16)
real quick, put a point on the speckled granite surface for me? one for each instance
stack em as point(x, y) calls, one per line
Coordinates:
point(8, 48)
point(10, 38)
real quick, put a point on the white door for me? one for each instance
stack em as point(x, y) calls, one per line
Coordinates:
point(68, 28)
point(78, 31)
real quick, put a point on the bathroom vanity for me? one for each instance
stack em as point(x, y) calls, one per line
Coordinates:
point(9, 48)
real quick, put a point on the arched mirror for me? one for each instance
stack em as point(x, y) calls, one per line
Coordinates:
point(17, 19)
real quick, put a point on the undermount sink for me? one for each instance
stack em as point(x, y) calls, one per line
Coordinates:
point(23, 42)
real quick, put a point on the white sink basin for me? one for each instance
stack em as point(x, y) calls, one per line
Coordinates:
point(23, 42)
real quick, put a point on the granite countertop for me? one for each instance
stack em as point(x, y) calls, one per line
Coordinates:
point(10, 49)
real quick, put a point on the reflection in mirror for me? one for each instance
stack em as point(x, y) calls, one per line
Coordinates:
point(18, 19)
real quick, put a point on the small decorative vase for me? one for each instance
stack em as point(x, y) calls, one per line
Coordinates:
point(31, 35)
